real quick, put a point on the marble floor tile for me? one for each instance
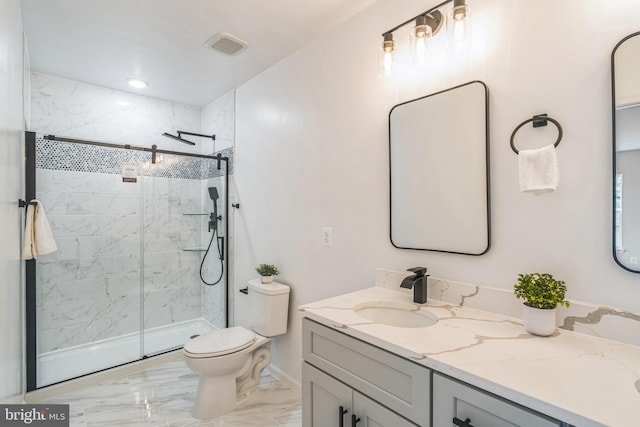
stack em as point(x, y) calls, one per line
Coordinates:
point(164, 396)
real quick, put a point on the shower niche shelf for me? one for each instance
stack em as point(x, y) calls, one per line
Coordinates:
point(194, 249)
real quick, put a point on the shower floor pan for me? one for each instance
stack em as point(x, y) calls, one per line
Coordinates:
point(72, 362)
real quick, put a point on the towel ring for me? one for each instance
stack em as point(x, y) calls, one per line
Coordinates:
point(538, 120)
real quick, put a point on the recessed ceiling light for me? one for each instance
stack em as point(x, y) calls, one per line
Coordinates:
point(138, 84)
point(122, 103)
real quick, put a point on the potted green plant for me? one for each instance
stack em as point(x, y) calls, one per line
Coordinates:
point(266, 272)
point(541, 294)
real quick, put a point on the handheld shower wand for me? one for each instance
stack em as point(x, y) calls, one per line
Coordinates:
point(213, 217)
point(213, 226)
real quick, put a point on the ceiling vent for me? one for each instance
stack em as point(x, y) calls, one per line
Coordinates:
point(226, 43)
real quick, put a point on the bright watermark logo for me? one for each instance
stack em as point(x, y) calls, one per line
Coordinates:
point(34, 415)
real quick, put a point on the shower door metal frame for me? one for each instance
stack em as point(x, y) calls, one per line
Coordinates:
point(30, 265)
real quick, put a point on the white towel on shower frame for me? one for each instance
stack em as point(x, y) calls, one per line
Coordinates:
point(38, 237)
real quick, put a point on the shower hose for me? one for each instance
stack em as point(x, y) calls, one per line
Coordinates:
point(215, 236)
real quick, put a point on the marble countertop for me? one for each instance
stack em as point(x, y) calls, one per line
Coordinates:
point(579, 379)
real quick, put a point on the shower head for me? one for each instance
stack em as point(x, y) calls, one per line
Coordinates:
point(179, 138)
point(213, 193)
point(186, 141)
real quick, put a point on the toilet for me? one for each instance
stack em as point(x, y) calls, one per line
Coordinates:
point(230, 361)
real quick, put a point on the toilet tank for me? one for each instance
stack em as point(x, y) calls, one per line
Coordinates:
point(269, 307)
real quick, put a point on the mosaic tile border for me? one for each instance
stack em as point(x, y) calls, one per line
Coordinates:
point(69, 156)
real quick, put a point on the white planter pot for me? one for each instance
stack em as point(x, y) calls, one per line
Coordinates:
point(266, 279)
point(539, 321)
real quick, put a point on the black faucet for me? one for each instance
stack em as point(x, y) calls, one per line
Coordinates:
point(418, 282)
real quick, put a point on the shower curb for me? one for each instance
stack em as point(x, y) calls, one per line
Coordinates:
point(49, 392)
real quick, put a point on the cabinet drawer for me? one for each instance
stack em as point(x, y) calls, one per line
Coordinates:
point(455, 399)
point(396, 383)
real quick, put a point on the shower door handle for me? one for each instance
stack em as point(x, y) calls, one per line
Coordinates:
point(221, 239)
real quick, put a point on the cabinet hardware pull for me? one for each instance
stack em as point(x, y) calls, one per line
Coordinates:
point(355, 420)
point(341, 412)
point(466, 423)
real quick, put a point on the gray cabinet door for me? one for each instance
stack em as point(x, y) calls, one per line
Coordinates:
point(455, 399)
point(396, 383)
point(373, 414)
point(322, 397)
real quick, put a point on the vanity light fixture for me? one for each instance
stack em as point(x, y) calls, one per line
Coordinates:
point(137, 83)
point(427, 25)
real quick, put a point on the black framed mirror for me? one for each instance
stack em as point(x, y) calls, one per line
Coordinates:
point(625, 90)
point(439, 171)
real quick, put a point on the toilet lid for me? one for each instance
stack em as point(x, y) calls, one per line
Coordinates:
point(220, 342)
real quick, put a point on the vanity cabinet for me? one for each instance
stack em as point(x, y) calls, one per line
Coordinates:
point(475, 408)
point(382, 385)
point(343, 377)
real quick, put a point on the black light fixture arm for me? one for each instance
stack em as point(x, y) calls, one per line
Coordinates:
point(410, 20)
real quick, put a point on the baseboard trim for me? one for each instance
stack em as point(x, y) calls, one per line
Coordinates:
point(282, 376)
point(14, 400)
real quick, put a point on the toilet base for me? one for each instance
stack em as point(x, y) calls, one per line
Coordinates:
point(220, 394)
point(223, 390)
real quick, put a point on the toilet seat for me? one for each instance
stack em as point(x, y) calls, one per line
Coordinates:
point(220, 342)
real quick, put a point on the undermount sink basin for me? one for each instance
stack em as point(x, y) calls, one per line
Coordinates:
point(395, 314)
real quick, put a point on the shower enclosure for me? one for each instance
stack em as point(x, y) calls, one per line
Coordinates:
point(132, 226)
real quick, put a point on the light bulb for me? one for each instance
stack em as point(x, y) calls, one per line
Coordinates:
point(388, 64)
point(459, 26)
point(458, 31)
point(385, 58)
point(418, 38)
point(421, 51)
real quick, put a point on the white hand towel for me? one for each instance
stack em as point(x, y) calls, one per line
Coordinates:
point(27, 242)
point(538, 170)
point(38, 237)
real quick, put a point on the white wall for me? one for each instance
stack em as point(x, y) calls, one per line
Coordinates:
point(311, 151)
point(11, 125)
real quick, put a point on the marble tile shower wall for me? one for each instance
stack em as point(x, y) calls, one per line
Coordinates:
point(74, 109)
point(218, 117)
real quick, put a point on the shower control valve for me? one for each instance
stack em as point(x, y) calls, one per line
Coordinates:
point(213, 221)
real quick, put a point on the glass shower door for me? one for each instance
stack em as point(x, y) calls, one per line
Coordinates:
point(141, 260)
point(88, 291)
point(178, 209)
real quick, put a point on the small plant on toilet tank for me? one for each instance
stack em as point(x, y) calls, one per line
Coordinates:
point(266, 272)
point(541, 294)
